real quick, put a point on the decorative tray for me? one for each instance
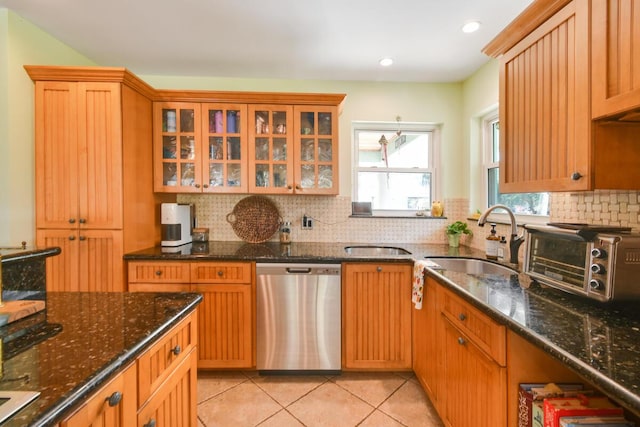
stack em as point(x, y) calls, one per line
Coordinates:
point(255, 219)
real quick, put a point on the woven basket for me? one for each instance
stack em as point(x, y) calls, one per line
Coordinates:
point(254, 219)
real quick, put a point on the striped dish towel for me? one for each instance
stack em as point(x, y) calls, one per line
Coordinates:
point(418, 283)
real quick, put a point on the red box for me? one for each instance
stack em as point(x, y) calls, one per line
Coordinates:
point(533, 393)
point(556, 407)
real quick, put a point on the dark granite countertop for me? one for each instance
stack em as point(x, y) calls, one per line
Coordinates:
point(78, 343)
point(13, 254)
point(599, 341)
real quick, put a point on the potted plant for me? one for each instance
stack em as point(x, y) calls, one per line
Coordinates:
point(454, 231)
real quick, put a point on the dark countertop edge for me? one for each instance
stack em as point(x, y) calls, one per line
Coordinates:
point(27, 254)
point(614, 390)
point(274, 259)
point(76, 397)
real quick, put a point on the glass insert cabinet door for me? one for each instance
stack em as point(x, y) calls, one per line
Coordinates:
point(315, 163)
point(270, 149)
point(177, 147)
point(225, 148)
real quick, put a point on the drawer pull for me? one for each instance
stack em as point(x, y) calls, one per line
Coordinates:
point(176, 350)
point(379, 269)
point(72, 237)
point(158, 272)
point(151, 423)
point(220, 273)
point(462, 317)
point(461, 341)
point(114, 399)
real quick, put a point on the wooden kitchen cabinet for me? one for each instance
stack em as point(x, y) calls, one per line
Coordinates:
point(426, 323)
point(615, 59)
point(93, 167)
point(548, 141)
point(200, 147)
point(376, 316)
point(114, 405)
point(226, 315)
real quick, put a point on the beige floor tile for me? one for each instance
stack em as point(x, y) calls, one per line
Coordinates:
point(287, 389)
point(242, 406)
point(212, 383)
point(282, 418)
point(330, 405)
point(373, 388)
point(379, 419)
point(410, 406)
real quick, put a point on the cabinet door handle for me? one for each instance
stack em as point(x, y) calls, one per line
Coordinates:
point(158, 272)
point(205, 186)
point(72, 237)
point(151, 423)
point(83, 238)
point(114, 399)
point(220, 273)
point(176, 350)
point(72, 220)
point(197, 185)
point(379, 269)
point(576, 176)
point(461, 341)
point(82, 221)
point(289, 187)
point(462, 317)
point(298, 187)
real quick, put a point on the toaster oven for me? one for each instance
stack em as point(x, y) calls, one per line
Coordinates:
point(598, 262)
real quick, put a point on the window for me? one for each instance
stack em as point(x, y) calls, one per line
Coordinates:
point(394, 166)
point(520, 203)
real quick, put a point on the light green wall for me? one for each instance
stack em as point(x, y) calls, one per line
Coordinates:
point(480, 96)
point(22, 43)
point(365, 101)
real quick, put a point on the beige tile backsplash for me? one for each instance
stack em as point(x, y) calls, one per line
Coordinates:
point(333, 224)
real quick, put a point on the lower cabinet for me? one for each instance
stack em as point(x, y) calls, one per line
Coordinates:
point(376, 317)
point(114, 405)
point(158, 389)
point(426, 364)
point(226, 315)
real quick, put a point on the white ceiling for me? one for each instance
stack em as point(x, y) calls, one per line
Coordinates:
point(289, 39)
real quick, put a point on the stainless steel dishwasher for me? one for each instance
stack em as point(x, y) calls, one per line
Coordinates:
point(298, 317)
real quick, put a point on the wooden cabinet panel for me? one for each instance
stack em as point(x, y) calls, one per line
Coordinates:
point(475, 391)
point(159, 361)
point(225, 319)
point(488, 335)
point(615, 57)
point(228, 272)
point(376, 316)
point(159, 272)
point(114, 405)
point(545, 141)
point(426, 363)
point(174, 403)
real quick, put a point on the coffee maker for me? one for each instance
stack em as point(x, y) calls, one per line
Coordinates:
point(176, 221)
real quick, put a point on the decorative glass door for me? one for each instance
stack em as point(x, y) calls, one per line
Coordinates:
point(179, 169)
point(224, 160)
point(270, 166)
point(316, 167)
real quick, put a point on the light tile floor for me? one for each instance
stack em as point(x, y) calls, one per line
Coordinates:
point(351, 399)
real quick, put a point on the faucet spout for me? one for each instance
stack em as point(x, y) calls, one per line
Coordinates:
point(514, 241)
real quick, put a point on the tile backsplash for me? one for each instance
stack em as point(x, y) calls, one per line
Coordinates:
point(332, 221)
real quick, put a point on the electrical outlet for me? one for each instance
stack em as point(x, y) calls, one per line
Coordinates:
point(307, 223)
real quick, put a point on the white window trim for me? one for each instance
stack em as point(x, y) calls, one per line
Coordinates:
point(499, 217)
point(434, 156)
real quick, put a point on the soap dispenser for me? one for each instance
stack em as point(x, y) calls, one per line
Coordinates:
point(492, 244)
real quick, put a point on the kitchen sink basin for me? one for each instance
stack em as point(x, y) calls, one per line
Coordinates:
point(471, 266)
point(375, 251)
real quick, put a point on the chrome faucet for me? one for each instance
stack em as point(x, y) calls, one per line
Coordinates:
point(514, 241)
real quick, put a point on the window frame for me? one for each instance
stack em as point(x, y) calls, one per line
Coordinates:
point(488, 163)
point(433, 155)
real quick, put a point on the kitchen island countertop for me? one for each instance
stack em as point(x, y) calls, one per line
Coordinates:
point(79, 343)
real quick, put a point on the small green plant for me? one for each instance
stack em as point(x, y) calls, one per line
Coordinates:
point(459, 227)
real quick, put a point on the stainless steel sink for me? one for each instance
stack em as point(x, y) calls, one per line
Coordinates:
point(375, 251)
point(471, 266)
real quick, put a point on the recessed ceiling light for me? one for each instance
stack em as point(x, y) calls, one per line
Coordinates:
point(471, 27)
point(385, 62)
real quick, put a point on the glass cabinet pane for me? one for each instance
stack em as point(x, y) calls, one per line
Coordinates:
point(307, 149)
point(168, 147)
point(307, 123)
point(168, 120)
point(262, 149)
point(234, 175)
point(324, 124)
point(262, 175)
point(308, 174)
point(280, 175)
point(187, 120)
point(280, 122)
point(187, 174)
point(233, 148)
point(215, 121)
point(169, 174)
point(325, 176)
point(233, 121)
point(216, 175)
point(325, 150)
point(187, 148)
point(215, 148)
point(279, 149)
point(262, 120)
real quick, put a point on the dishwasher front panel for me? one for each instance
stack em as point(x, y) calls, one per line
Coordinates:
point(298, 317)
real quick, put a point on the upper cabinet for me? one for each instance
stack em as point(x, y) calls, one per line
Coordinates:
point(548, 141)
point(616, 58)
point(234, 142)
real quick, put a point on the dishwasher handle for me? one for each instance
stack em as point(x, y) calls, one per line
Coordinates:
point(297, 270)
